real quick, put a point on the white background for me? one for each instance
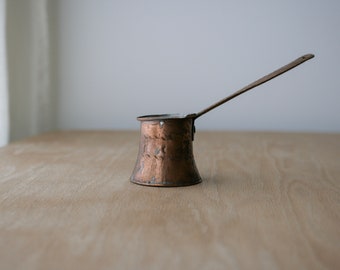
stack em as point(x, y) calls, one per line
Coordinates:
point(123, 58)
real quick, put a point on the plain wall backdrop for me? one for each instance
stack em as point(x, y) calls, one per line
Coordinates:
point(123, 58)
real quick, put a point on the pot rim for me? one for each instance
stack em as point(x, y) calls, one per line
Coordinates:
point(172, 116)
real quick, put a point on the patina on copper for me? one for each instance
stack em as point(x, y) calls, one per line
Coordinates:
point(165, 155)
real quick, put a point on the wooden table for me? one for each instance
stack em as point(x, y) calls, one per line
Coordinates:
point(267, 201)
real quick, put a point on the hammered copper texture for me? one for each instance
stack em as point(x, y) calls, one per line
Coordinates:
point(165, 155)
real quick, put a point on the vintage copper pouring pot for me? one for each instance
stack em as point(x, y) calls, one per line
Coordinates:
point(165, 155)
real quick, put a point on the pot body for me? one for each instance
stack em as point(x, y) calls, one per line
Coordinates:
point(165, 156)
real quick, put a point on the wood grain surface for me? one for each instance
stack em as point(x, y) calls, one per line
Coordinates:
point(267, 201)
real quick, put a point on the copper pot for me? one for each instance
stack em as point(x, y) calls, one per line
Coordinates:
point(165, 155)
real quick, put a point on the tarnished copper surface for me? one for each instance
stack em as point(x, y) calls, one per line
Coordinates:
point(165, 155)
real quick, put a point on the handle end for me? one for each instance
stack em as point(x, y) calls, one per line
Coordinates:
point(308, 56)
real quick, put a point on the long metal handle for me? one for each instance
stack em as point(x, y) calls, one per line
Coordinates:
point(260, 81)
